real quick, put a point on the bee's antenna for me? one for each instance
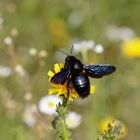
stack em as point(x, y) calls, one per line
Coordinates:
point(63, 52)
point(71, 49)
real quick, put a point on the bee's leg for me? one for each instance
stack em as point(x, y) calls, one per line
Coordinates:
point(68, 92)
point(68, 88)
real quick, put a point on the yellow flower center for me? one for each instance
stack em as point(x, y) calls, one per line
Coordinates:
point(51, 104)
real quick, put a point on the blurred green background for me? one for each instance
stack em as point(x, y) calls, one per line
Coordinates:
point(31, 31)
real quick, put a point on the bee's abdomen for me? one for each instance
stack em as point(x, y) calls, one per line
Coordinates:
point(81, 84)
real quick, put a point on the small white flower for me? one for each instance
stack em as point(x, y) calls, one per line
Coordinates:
point(43, 54)
point(99, 48)
point(8, 40)
point(5, 71)
point(28, 116)
point(32, 51)
point(83, 46)
point(73, 120)
point(19, 69)
point(47, 104)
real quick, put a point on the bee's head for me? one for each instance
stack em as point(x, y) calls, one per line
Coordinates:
point(70, 58)
point(74, 63)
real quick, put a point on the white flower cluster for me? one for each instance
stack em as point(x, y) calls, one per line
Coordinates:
point(47, 105)
point(85, 46)
point(41, 54)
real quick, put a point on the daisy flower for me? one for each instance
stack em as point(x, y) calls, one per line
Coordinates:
point(62, 89)
point(47, 104)
point(73, 120)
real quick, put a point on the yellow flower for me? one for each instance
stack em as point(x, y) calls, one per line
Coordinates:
point(104, 126)
point(131, 48)
point(62, 89)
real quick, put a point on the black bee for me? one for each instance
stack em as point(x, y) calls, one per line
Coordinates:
point(76, 73)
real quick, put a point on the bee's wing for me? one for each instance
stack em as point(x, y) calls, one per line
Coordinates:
point(61, 77)
point(99, 70)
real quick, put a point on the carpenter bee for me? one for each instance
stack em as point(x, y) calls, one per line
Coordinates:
point(76, 73)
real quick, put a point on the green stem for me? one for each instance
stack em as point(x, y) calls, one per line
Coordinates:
point(59, 123)
point(65, 100)
point(65, 132)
